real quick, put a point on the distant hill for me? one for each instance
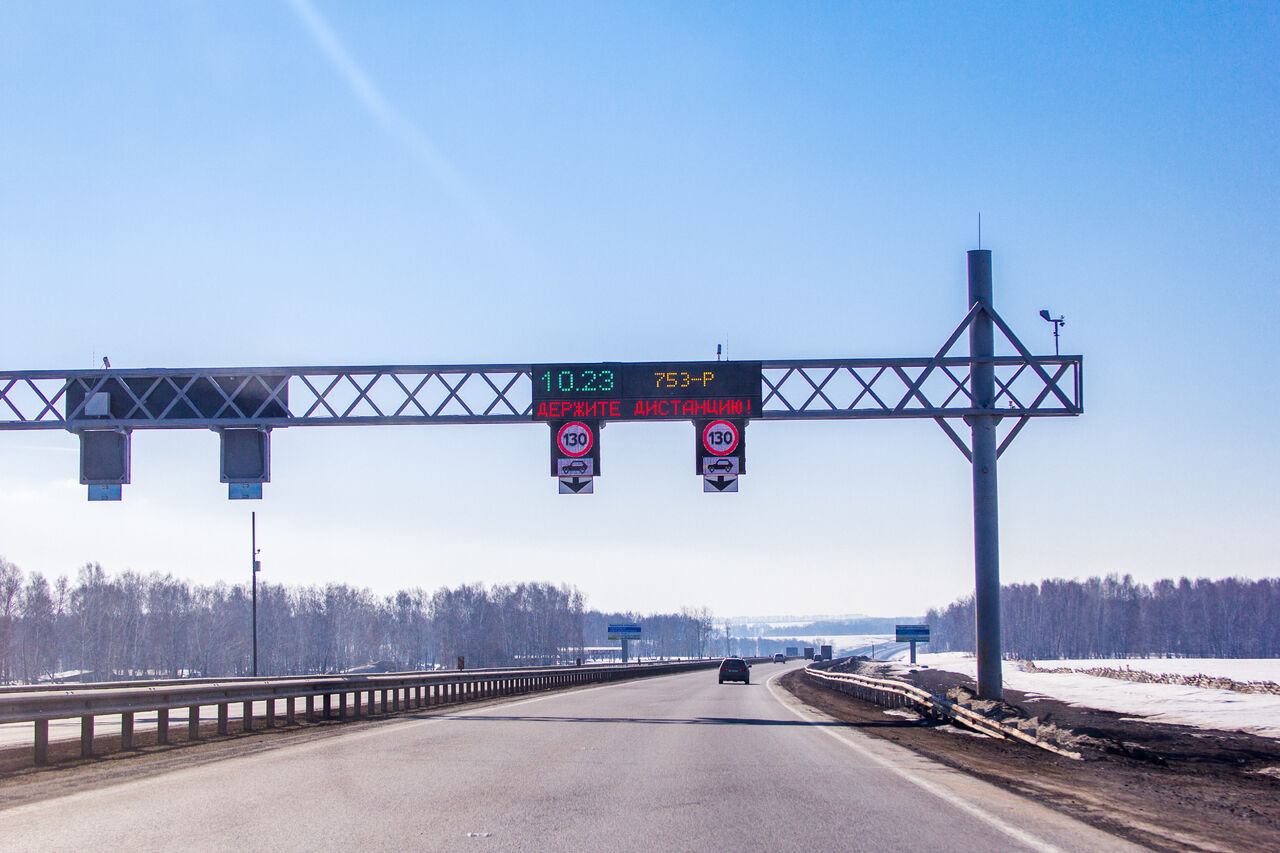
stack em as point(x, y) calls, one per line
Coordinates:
point(855, 625)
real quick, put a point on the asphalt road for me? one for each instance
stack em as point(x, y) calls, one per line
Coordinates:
point(672, 763)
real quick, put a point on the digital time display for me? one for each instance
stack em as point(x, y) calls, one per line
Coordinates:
point(569, 380)
point(646, 390)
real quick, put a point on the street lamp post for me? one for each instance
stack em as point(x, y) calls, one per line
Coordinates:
point(257, 566)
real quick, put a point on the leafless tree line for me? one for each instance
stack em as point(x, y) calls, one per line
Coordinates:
point(1115, 617)
point(130, 625)
point(687, 634)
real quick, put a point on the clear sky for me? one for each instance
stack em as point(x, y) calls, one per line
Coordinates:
point(201, 184)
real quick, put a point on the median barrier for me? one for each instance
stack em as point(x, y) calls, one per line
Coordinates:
point(343, 697)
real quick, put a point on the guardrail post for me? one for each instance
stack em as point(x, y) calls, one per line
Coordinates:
point(355, 704)
point(246, 716)
point(222, 718)
point(311, 709)
point(328, 705)
point(193, 723)
point(42, 742)
point(289, 716)
point(371, 702)
point(384, 701)
point(126, 730)
point(271, 713)
point(395, 699)
point(342, 705)
point(86, 737)
point(162, 726)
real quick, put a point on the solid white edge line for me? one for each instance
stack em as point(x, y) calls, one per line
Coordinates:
point(955, 800)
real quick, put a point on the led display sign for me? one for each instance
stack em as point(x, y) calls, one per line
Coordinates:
point(639, 391)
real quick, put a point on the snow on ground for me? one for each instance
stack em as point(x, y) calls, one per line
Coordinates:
point(838, 641)
point(1238, 669)
point(1165, 703)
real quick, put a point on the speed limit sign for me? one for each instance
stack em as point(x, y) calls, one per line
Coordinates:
point(575, 439)
point(720, 437)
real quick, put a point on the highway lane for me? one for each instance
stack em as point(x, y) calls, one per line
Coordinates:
point(672, 763)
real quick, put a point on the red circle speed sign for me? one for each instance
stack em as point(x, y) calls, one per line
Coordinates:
point(720, 437)
point(575, 439)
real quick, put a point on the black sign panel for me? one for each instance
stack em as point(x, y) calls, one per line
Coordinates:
point(682, 390)
point(575, 448)
point(720, 447)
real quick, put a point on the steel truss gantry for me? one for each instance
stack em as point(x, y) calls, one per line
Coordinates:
point(938, 388)
point(995, 396)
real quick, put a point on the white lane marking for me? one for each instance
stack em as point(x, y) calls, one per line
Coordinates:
point(1032, 841)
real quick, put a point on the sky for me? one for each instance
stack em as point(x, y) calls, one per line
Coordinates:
point(306, 182)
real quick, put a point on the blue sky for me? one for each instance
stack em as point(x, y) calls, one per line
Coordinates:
point(246, 184)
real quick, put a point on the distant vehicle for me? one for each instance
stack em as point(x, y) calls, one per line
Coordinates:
point(793, 651)
point(779, 657)
point(735, 669)
point(808, 652)
point(825, 651)
point(719, 465)
point(576, 467)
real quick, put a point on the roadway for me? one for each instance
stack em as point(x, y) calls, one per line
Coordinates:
point(671, 763)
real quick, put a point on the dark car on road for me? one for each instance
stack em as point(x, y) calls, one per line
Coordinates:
point(735, 669)
point(779, 657)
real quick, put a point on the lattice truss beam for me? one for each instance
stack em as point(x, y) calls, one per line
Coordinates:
point(939, 388)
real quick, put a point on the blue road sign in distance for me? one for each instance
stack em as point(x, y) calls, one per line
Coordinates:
point(624, 632)
point(912, 633)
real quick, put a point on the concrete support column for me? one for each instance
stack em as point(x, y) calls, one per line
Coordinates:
point(986, 505)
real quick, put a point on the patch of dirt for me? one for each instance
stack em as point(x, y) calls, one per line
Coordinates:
point(1163, 786)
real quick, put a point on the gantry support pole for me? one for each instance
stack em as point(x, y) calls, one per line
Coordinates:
point(986, 505)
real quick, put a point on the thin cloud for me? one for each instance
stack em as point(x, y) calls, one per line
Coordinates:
point(393, 122)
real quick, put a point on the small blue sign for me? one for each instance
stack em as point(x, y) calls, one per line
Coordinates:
point(912, 633)
point(244, 491)
point(106, 492)
point(624, 632)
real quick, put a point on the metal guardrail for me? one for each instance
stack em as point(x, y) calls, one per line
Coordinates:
point(899, 694)
point(344, 697)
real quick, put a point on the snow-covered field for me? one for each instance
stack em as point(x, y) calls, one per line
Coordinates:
point(838, 641)
point(1238, 669)
point(1166, 703)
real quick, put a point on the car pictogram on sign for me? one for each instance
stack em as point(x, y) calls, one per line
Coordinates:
point(576, 467)
point(719, 465)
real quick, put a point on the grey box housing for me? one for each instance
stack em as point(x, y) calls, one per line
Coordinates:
point(246, 455)
point(104, 457)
